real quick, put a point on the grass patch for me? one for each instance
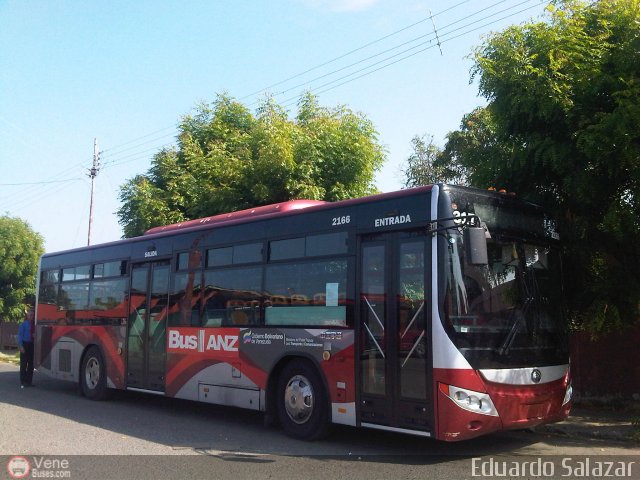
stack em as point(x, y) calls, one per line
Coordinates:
point(635, 434)
point(10, 357)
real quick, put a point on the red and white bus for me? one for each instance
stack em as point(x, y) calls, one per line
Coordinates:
point(433, 311)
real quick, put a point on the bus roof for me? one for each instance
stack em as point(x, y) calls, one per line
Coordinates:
point(292, 207)
point(249, 213)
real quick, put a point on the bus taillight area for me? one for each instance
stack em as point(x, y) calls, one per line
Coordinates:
point(469, 405)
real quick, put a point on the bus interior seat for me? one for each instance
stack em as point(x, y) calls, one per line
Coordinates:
point(298, 299)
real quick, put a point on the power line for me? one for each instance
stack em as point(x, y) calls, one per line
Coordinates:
point(285, 103)
point(135, 140)
point(136, 155)
point(34, 198)
point(403, 58)
point(434, 35)
point(340, 57)
point(38, 183)
point(349, 66)
point(435, 31)
point(318, 89)
point(26, 194)
point(373, 42)
point(116, 156)
point(33, 193)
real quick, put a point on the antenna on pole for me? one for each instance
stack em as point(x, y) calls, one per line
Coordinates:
point(93, 172)
point(435, 30)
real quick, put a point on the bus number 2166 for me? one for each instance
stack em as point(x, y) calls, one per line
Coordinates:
point(341, 220)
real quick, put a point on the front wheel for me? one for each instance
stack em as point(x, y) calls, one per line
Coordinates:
point(302, 401)
point(93, 375)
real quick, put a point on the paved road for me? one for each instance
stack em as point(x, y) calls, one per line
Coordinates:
point(52, 421)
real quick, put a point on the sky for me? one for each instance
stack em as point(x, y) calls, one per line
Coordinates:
point(125, 72)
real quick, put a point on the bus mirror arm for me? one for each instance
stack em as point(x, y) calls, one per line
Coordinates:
point(474, 234)
point(468, 221)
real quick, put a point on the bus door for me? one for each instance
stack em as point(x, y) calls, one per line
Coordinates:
point(146, 336)
point(394, 338)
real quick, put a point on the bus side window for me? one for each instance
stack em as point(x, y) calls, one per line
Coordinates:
point(184, 300)
point(307, 293)
point(233, 296)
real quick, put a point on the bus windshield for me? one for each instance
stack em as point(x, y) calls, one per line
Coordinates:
point(508, 313)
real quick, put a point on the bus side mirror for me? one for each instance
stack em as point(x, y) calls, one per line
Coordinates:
point(475, 244)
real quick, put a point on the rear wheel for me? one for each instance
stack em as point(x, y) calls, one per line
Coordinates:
point(302, 401)
point(93, 375)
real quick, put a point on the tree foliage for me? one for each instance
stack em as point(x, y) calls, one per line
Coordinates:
point(20, 250)
point(228, 159)
point(425, 165)
point(561, 129)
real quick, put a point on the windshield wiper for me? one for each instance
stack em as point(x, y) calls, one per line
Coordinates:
point(515, 327)
point(531, 290)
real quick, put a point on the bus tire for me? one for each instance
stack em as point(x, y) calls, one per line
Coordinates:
point(302, 402)
point(93, 375)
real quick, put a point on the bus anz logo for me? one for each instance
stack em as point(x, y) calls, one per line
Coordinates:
point(202, 341)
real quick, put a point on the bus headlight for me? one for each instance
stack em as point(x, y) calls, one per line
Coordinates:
point(475, 402)
point(568, 394)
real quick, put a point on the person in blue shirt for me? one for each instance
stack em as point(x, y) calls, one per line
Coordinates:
point(26, 334)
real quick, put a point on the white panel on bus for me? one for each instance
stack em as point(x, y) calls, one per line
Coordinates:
point(525, 376)
point(344, 413)
point(231, 396)
point(220, 373)
point(445, 353)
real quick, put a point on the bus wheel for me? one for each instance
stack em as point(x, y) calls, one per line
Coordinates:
point(93, 375)
point(302, 401)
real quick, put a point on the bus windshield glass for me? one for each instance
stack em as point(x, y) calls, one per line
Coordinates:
point(508, 313)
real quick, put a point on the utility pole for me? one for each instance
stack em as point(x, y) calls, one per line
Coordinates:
point(93, 172)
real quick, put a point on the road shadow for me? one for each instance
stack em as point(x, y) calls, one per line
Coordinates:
point(238, 435)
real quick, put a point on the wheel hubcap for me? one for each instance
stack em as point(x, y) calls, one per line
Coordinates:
point(92, 373)
point(298, 399)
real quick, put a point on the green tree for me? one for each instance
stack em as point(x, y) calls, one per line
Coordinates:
point(561, 129)
point(20, 250)
point(428, 165)
point(227, 159)
point(475, 152)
